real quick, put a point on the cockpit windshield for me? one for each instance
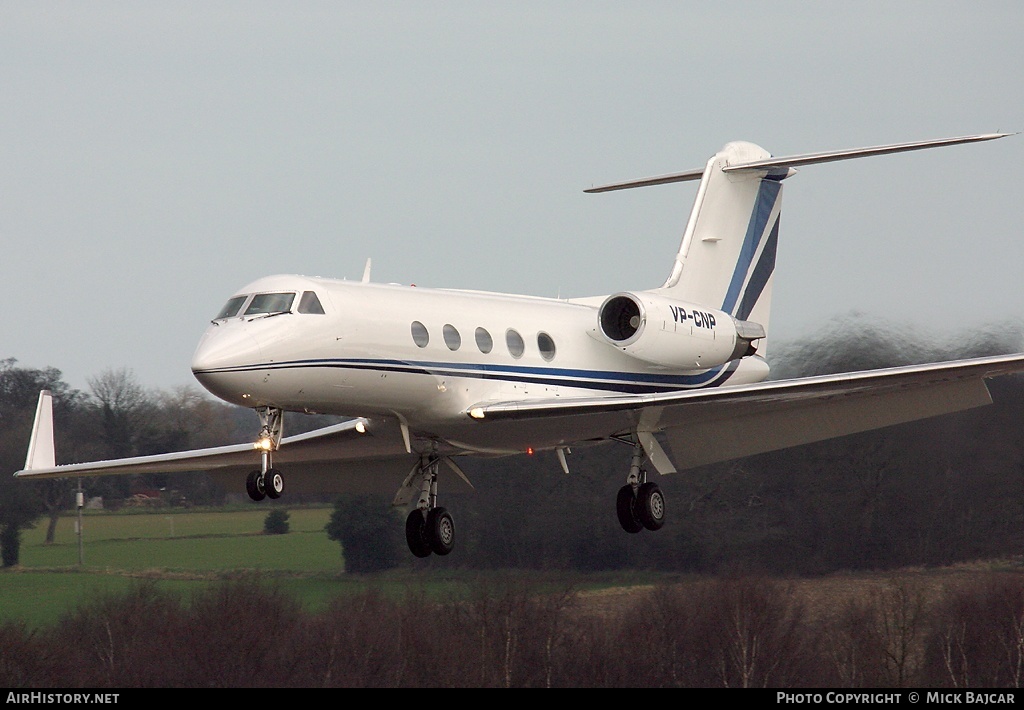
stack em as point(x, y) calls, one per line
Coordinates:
point(230, 308)
point(309, 303)
point(263, 303)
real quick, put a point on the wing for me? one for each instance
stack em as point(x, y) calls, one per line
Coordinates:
point(711, 425)
point(354, 456)
point(700, 426)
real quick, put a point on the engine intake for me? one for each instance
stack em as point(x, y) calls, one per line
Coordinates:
point(621, 318)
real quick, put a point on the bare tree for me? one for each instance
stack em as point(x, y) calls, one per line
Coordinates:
point(900, 625)
point(125, 409)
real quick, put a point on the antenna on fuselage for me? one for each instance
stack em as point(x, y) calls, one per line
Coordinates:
point(366, 272)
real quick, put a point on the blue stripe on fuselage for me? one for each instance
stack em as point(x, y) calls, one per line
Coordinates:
point(633, 383)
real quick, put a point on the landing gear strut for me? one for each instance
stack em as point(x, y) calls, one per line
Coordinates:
point(640, 503)
point(267, 481)
point(429, 528)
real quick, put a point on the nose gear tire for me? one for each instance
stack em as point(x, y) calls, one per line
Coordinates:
point(273, 483)
point(254, 486)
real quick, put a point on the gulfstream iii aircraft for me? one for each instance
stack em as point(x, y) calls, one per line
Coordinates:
point(429, 376)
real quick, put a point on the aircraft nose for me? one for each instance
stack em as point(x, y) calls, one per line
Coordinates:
point(223, 360)
point(224, 348)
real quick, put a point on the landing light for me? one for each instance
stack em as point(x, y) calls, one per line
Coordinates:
point(361, 427)
point(476, 413)
point(266, 444)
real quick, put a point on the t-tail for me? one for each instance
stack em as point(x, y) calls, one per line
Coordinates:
point(726, 259)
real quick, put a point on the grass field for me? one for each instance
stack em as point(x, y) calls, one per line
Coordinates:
point(181, 550)
point(185, 541)
point(184, 551)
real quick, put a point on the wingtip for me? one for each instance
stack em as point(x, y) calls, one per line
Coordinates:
point(40, 446)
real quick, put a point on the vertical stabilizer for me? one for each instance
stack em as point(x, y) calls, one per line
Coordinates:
point(40, 446)
point(727, 254)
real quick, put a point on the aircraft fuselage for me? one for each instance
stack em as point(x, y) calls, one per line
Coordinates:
point(426, 356)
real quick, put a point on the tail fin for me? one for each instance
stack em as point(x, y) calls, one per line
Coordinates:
point(40, 446)
point(727, 255)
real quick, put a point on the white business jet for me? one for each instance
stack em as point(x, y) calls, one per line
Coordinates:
point(428, 376)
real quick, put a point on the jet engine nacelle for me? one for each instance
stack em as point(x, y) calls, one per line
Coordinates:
point(674, 334)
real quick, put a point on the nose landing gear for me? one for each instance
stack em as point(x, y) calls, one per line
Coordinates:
point(267, 481)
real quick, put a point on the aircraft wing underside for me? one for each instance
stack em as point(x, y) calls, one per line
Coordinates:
point(719, 424)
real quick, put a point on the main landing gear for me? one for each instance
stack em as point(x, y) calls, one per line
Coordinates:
point(429, 528)
point(267, 481)
point(640, 503)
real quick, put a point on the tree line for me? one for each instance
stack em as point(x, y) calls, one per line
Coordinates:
point(522, 631)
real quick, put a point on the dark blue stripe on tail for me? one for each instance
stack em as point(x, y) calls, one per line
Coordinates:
point(762, 272)
point(767, 195)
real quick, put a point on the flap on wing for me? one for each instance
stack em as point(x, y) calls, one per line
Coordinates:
point(763, 428)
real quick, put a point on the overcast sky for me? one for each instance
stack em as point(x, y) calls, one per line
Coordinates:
point(155, 157)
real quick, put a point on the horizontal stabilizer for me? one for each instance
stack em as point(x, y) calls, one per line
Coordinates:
point(793, 161)
point(645, 182)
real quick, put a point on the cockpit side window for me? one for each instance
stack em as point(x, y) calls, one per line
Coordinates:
point(309, 303)
point(270, 303)
point(230, 308)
